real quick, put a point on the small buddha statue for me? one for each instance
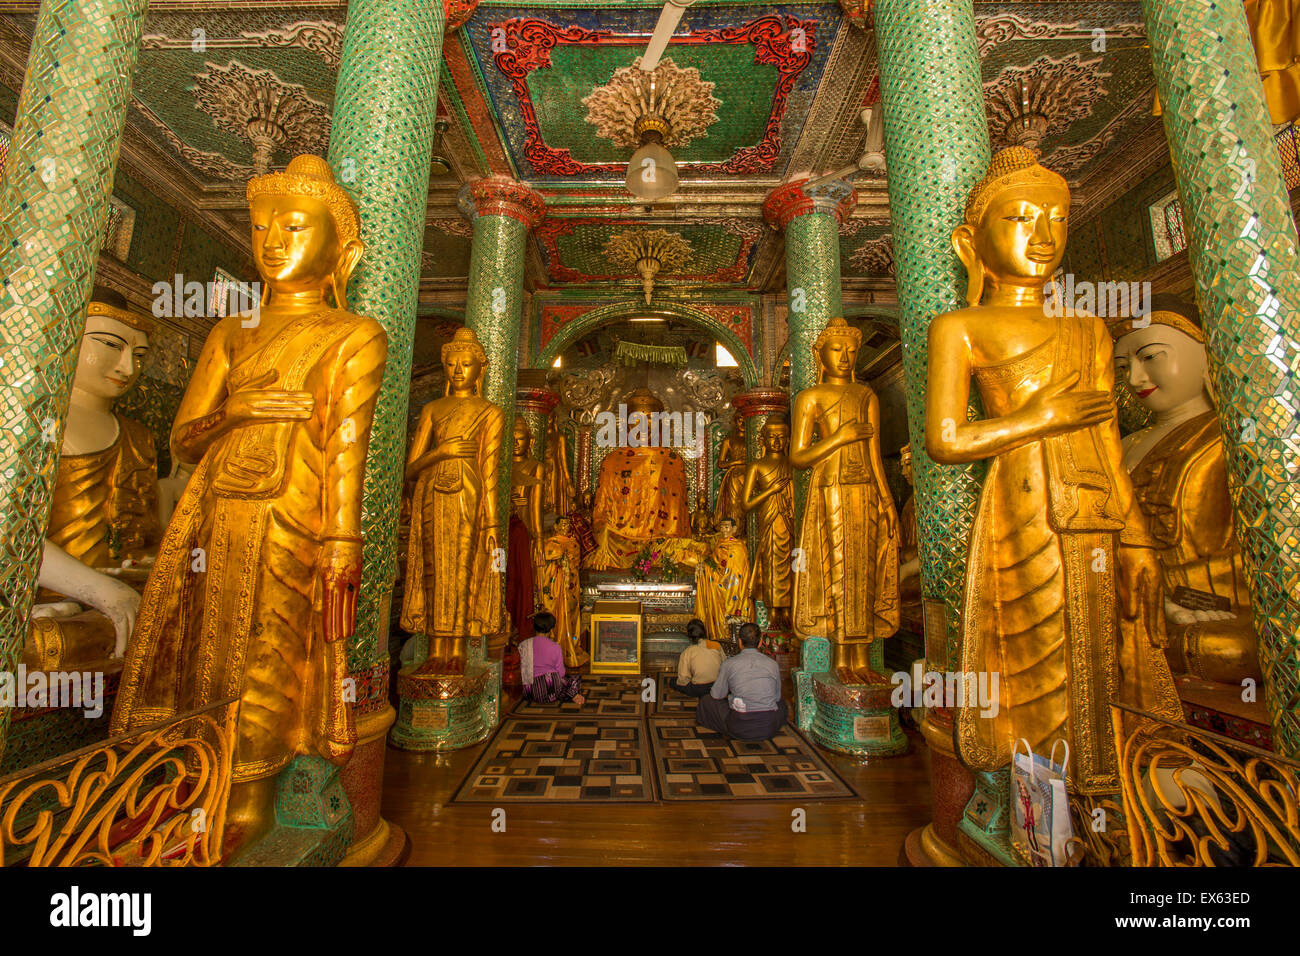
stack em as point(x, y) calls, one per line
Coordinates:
point(722, 583)
point(701, 523)
point(254, 591)
point(559, 589)
point(909, 566)
point(1180, 477)
point(1063, 578)
point(580, 524)
point(558, 495)
point(769, 489)
point(847, 590)
point(732, 455)
point(453, 588)
point(528, 481)
point(103, 510)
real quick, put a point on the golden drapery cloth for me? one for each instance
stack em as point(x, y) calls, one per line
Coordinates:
point(641, 495)
point(558, 583)
point(847, 590)
point(1042, 602)
point(105, 504)
point(773, 575)
point(451, 587)
point(1275, 34)
point(721, 587)
point(257, 511)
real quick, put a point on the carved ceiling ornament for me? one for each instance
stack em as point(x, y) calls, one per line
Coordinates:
point(210, 164)
point(261, 108)
point(322, 37)
point(1067, 159)
point(875, 256)
point(649, 251)
point(1001, 27)
point(1025, 103)
point(674, 94)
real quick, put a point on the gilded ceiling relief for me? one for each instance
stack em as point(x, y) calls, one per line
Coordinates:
point(322, 37)
point(1049, 94)
point(260, 107)
point(875, 257)
point(677, 96)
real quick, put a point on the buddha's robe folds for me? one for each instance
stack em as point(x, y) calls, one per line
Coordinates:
point(847, 591)
point(641, 496)
point(731, 490)
point(558, 583)
point(557, 496)
point(721, 588)
point(1182, 486)
point(451, 587)
point(105, 504)
point(247, 622)
point(1042, 604)
point(773, 575)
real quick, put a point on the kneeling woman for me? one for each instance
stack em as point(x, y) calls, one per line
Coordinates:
point(541, 665)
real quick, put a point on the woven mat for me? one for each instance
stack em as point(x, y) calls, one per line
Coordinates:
point(606, 696)
point(694, 763)
point(672, 703)
point(562, 760)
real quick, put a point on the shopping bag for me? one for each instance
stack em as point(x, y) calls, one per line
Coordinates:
point(1040, 810)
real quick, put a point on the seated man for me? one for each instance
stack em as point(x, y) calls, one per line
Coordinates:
point(541, 666)
point(745, 701)
point(697, 668)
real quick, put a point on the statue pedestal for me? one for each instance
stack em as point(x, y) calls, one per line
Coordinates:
point(446, 711)
point(855, 719)
point(314, 823)
point(984, 833)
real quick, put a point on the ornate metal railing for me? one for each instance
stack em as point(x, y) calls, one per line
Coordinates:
point(152, 797)
point(1194, 798)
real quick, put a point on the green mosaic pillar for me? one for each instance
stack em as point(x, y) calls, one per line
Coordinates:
point(380, 146)
point(502, 211)
point(936, 149)
point(810, 217)
point(1242, 244)
point(53, 211)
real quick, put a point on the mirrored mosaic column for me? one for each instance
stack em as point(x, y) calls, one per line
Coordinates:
point(936, 149)
point(502, 211)
point(1241, 240)
point(54, 208)
point(380, 146)
point(810, 217)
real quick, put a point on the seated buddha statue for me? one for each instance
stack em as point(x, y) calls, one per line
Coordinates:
point(1179, 475)
point(641, 493)
point(104, 509)
point(276, 421)
point(1062, 593)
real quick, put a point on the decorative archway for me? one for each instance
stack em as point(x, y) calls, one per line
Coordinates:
point(588, 322)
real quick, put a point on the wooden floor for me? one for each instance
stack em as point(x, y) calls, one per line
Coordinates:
point(866, 832)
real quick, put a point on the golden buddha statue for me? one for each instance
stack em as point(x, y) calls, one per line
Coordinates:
point(276, 421)
point(559, 588)
point(769, 487)
point(701, 523)
point(528, 482)
point(558, 494)
point(732, 455)
point(909, 561)
point(847, 590)
point(453, 579)
point(641, 493)
point(722, 583)
point(1180, 478)
point(1062, 582)
point(104, 508)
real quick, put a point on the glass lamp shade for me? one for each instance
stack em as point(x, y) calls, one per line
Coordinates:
point(652, 173)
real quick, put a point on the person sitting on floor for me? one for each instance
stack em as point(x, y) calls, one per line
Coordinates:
point(697, 667)
point(745, 700)
point(541, 666)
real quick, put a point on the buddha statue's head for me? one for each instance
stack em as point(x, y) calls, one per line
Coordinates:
point(587, 501)
point(905, 461)
point(641, 404)
point(1161, 356)
point(561, 525)
point(837, 351)
point(113, 346)
point(727, 527)
point(305, 232)
point(775, 434)
point(463, 361)
point(738, 421)
point(523, 438)
point(1014, 231)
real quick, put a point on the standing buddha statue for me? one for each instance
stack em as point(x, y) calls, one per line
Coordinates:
point(1062, 582)
point(527, 481)
point(277, 422)
point(847, 588)
point(731, 463)
point(558, 495)
point(722, 583)
point(453, 588)
point(909, 566)
point(1180, 478)
point(769, 489)
point(558, 586)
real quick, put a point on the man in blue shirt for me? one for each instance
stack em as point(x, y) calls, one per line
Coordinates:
point(745, 701)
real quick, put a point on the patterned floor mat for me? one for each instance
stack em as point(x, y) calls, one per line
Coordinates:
point(607, 696)
point(694, 763)
point(562, 760)
point(671, 703)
